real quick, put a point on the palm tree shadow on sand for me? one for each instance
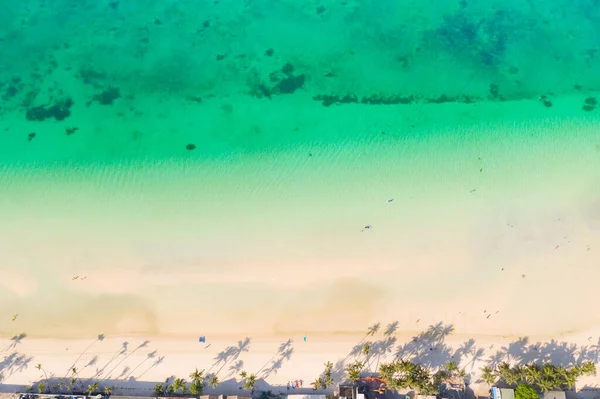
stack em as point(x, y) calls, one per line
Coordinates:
point(284, 352)
point(229, 355)
point(427, 348)
point(16, 340)
point(13, 363)
point(140, 346)
point(120, 352)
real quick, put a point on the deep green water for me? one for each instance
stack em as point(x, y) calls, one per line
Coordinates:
point(86, 62)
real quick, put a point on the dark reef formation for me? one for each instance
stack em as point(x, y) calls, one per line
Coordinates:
point(283, 81)
point(331, 99)
point(590, 104)
point(480, 39)
point(108, 96)
point(59, 110)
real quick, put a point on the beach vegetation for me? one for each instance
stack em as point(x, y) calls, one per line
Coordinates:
point(319, 383)
point(108, 391)
point(196, 388)
point(248, 381)
point(214, 381)
point(451, 367)
point(525, 391)
point(328, 374)
point(588, 368)
point(179, 384)
point(353, 370)
point(400, 375)
point(197, 376)
point(41, 387)
point(93, 388)
point(451, 370)
point(543, 378)
point(510, 375)
point(39, 367)
point(366, 350)
point(326, 379)
point(488, 375)
point(159, 390)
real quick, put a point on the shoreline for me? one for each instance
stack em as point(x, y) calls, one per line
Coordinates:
point(431, 347)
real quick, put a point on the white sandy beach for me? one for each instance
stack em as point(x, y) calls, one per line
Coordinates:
point(133, 365)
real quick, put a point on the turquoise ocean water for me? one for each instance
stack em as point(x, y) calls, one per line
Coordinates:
point(212, 137)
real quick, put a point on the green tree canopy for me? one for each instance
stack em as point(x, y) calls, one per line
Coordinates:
point(488, 375)
point(159, 390)
point(196, 388)
point(525, 391)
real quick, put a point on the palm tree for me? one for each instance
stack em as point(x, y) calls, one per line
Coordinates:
point(179, 384)
point(545, 385)
point(531, 373)
point(214, 381)
point(549, 375)
point(196, 388)
point(197, 376)
point(451, 367)
point(508, 374)
point(569, 379)
point(250, 383)
point(108, 391)
point(243, 374)
point(520, 372)
point(92, 388)
point(39, 367)
point(440, 377)
point(40, 387)
point(366, 350)
point(328, 375)
point(354, 370)
point(588, 368)
point(159, 390)
point(488, 375)
point(72, 384)
point(386, 371)
point(319, 384)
